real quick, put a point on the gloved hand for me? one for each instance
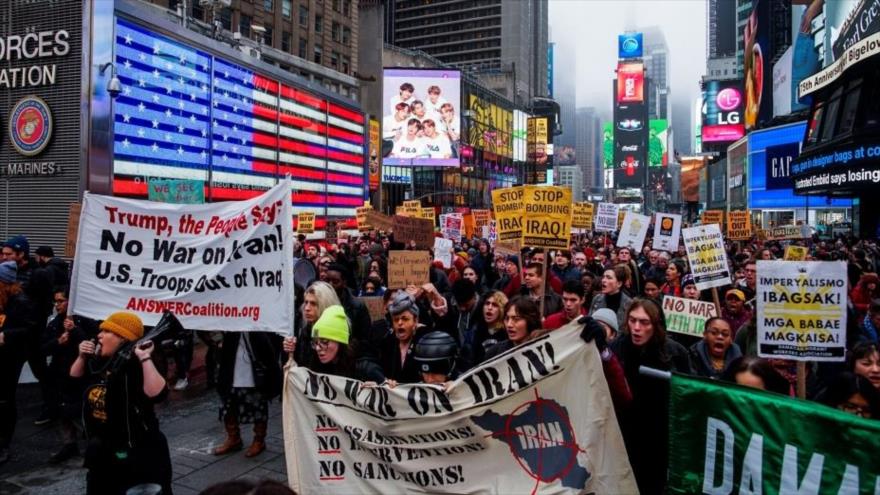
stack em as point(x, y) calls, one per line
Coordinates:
point(593, 332)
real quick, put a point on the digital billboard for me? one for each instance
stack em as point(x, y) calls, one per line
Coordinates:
point(630, 145)
point(691, 170)
point(564, 155)
point(772, 168)
point(519, 135)
point(421, 125)
point(658, 136)
point(185, 114)
point(629, 45)
point(537, 130)
point(608, 145)
point(722, 118)
point(630, 82)
point(758, 73)
point(491, 127)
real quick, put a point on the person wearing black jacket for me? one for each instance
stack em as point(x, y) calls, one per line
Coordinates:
point(643, 342)
point(17, 321)
point(61, 341)
point(357, 312)
point(250, 376)
point(398, 365)
point(57, 268)
point(125, 446)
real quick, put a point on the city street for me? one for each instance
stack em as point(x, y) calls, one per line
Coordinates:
point(188, 419)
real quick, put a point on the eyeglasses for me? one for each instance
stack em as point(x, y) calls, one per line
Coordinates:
point(319, 344)
point(855, 409)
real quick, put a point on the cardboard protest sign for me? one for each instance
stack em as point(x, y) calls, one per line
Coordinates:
point(443, 251)
point(510, 425)
point(508, 248)
point(582, 215)
point(774, 443)
point(547, 221)
point(634, 231)
point(379, 221)
point(687, 316)
point(667, 231)
point(375, 305)
point(408, 229)
point(408, 268)
point(606, 217)
point(362, 223)
point(706, 255)
point(331, 232)
point(710, 217)
point(179, 191)
point(802, 310)
point(507, 204)
point(492, 236)
point(451, 226)
point(72, 229)
point(739, 225)
point(794, 253)
point(219, 266)
point(305, 222)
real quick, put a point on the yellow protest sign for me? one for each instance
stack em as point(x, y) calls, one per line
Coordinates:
point(468, 224)
point(547, 221)
point(713, 216)
point(795, 253)
point(582, 215)
point(508, 206)
point(620, 215)
point(305, 222)
point(363, 225)
point(412, 208)
point(427, 214)
point(739, 228)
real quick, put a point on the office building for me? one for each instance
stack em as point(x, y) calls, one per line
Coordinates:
point(565, 92)
point(588, 148)
point(656, 58)
point(317, 40)
point(571, 176)
point(503, 42)
point(720, 28)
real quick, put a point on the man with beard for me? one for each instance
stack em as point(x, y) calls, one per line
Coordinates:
point(56, 267)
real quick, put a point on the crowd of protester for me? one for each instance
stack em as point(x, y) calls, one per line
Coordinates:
point(92, 376)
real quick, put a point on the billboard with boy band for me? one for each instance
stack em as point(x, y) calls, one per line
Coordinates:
point(421, 122)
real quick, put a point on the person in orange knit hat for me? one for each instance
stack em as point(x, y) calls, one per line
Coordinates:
point(126, 447)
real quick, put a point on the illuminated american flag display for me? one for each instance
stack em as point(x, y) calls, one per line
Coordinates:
point(185, 114)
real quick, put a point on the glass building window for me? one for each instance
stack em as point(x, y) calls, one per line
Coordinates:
point(303, 50)
point(830, 122)
point(287, 8)
point(244, 25)
point(303, 16)
point(285, 41)
point(269, 5)
point(319, 23)
point(318, 54)
point(850, 107)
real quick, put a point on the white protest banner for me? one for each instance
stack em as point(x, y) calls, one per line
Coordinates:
point(802, 310)
point(667, 232)
point(510, 425)
point(218, 266)
point(687, 316)
point(606, 217)
point(706, 255)
point(443, 251)
point(632, 234)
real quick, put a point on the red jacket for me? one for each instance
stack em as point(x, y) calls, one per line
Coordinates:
point(557, 320)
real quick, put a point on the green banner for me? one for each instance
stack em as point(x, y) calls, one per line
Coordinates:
point(729, 439)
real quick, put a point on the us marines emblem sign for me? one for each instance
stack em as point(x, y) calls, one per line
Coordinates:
point(30, 125)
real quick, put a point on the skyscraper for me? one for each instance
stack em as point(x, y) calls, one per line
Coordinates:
point(489, 37)
point(656, 58)
point(721, 28)
point(565, 92)
point(588, 147)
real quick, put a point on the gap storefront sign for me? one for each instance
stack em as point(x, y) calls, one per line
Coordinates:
point(847, 168)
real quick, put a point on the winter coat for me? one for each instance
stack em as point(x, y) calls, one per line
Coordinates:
point(599, 302)
point(702, 362)
point(265, 351)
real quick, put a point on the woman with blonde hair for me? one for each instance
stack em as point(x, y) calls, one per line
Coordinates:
point(318, 297)
point(486, 331)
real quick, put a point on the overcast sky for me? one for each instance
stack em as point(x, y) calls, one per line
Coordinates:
point(591, 27)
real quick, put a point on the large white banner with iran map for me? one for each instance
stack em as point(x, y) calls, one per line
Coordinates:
point(218, 266)
point(512, 425)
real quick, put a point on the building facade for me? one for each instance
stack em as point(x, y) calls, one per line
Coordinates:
point(504, 42)
point(588, 148)
point(570, 176)
point(315, 39)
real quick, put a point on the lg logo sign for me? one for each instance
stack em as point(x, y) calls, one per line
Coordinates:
point(729, 100)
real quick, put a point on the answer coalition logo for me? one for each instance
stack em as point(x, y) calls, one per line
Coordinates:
point(541, 439)
point(30, 125)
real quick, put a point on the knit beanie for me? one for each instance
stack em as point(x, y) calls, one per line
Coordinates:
point(332, 325)
point(124, 324)
point(8, 271)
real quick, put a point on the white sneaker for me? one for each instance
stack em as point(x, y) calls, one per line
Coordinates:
point(181, 384)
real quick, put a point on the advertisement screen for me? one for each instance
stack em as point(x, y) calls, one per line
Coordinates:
point(608, 145)
point(630, 145)
point(491, 127)
point(629, 45)
point(421, 124)
point(722, 119)
point(757, 68)
point(630, 82)
point(520, 135)
point(691, 169)
point(564, 155)
point(776, 146)
point(658, 136)
point(537, 136)
point(205, 118)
